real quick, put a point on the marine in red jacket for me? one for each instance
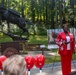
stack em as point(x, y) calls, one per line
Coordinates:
point(65, 41)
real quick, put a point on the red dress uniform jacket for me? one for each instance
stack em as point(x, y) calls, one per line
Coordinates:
point(61, 38)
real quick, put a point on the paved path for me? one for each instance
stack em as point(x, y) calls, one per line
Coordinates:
point(46, 71)
point(49, 69)
point(56, 70)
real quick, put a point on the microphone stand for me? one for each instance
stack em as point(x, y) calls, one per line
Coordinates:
point(54, 62)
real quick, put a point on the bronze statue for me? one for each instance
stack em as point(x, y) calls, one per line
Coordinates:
point(12, 16)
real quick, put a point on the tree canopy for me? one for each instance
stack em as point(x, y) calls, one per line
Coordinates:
point(44, 13)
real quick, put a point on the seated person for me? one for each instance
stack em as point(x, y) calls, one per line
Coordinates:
point(14, 65)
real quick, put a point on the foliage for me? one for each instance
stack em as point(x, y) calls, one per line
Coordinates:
point(41, 31)
point(43, 11)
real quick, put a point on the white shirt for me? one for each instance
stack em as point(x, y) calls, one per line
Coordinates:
point(68, 40)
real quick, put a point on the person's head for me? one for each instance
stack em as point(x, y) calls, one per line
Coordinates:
point(73, 73)
point(14, 65)
point(65, 27)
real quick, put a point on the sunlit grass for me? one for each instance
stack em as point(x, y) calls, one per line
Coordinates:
point(52, 59)
point(38, 40)
point(5, 39)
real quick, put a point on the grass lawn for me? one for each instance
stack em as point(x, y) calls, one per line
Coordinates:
point(52, 59)
point(32, 39)
point(56, 59)
point(38, 40)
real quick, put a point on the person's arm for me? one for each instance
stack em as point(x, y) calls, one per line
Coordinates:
point(58, 40)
